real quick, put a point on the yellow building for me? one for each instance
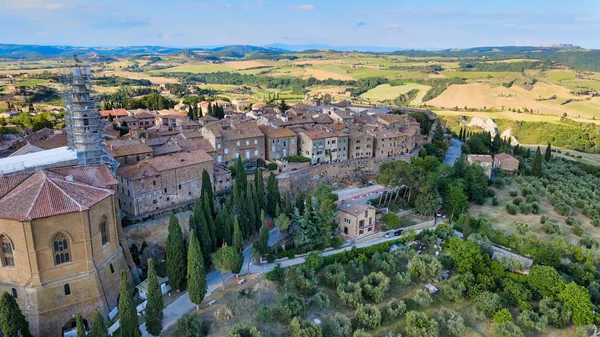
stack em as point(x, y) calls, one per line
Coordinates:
point(59, 230)
point(356, 219)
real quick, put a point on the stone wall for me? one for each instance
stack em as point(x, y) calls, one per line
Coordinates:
point(334, 174)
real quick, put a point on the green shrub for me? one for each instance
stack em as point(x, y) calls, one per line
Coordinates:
point(551, 228)
point(571, 221)
point(391, 220)
point(502, 316)
point(395, 308)
point(337, 242)
point(525, 208)
point(513, 193)
point(512, 209)
point(494, 201)
point(272, 166)
point(264, 314)
point(517, 201)
point(422, 298)
point(290, 306)
point(596, 222)
point(321, 301)
point(368, 316)
point(543, 219)
point(577, 229)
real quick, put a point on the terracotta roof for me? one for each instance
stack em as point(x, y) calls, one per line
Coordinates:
point(178, 160)
point(166, 149)
point(126, 147)
point(95, 175)
point(322, 134)
point(195, 144)
point(172, 113)
point(322, 119)
point(127, 119)
point(259, 105)
point(481, 158)
point(353, 207)
point(113, 112)
point(137, 171)
point(276, 133)
point(504, 156)
point(389, 133)
point(145, 115)
point(52, 142)
point(46, 193)
point(241, 130)
point(27, 148)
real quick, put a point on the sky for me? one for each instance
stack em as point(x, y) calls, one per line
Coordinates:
point(434, 24)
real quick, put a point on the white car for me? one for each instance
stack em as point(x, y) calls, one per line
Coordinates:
point(389, 235)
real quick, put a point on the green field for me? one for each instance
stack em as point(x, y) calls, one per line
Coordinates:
point(470, 75)
point(196, 69)
point(388, 92)
point(31, 83)
point(559, 76)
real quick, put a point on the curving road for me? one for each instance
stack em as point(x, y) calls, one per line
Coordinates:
point(454, 151)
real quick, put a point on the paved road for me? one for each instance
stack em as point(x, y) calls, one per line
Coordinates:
point(360, 195)
point(182, 305)
point(454, 151)
point(372, 240)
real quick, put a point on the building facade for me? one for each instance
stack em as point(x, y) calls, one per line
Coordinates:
point(483, 160)
point(279, 143)
point(356, 219)
point(60, 256)
point(323, 146)
point(162, 183)
point(238, 139)
point(360, 145)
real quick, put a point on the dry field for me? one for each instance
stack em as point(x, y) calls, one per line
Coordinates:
point(321, 74)
point(480, 95)
point(241, 65)
point(140, 76)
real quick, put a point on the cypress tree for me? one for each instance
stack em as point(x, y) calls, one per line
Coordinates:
point(257, 210)
point(528, 153)
point(110, 118)
point(12, 320)
point(196, 272)
point(98, 327)
point(517, 150)
point(210, 222)
point(548, 154)
point(210, 110)
point(273, 196)
point(262, 242)
point(155, 306)
point(190, 113)
point(536, 167)
point(224, 227)
point(206, 242)
point(240, 175)
point(260, 188)
point(238, 239)
point(239, 197)
point(175, 254)
point(208, 189)
point(127, 313)
point(250, 209)
point(79, 325)
point(288, 205)
point(300, 198)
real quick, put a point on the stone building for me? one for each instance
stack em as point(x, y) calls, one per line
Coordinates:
point(59, 230)
point(280, 142)
point(237, 139)
point(162, 183)
point(128, 151)
point(483, 160)
point(323, 146)
point(360, 145)
point(356, 219)
point(506, 162)
point(387, 143)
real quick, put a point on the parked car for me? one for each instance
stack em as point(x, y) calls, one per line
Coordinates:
point(438, 213)
point(389, 235)
point(398, 232)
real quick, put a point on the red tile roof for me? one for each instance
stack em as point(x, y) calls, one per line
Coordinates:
point(45, 193)
point(504, 156)
point(113, 112)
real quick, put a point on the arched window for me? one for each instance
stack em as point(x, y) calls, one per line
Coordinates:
point(86, 122)
point(60, 246)
point(104, 231)
point(67, 289)
point(7, 257)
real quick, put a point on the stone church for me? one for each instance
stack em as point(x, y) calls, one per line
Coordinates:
point(60, 255)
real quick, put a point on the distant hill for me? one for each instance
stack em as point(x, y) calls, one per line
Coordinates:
point(569, 55)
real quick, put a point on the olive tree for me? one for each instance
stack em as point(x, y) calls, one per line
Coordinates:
point(394, 309)
point(451, 322)
point(350, 294)
point(422, 298)
point(368, 316)
point(418, 324)
point(375, 285)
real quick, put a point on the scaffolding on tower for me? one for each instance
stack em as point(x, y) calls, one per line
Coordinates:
point(84, 123)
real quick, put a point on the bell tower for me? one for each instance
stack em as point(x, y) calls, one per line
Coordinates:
point(84, 123)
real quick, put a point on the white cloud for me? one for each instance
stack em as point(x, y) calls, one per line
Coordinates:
point(392, 26)
point(304, 7)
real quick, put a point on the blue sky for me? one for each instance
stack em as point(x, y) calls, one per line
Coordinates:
point(399, 23)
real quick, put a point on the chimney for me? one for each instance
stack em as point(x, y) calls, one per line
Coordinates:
point(69, 178)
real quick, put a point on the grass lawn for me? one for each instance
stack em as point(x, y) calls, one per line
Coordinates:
point(557, 76)
point(31, 83)
point(470, 75)
point(386, 91)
